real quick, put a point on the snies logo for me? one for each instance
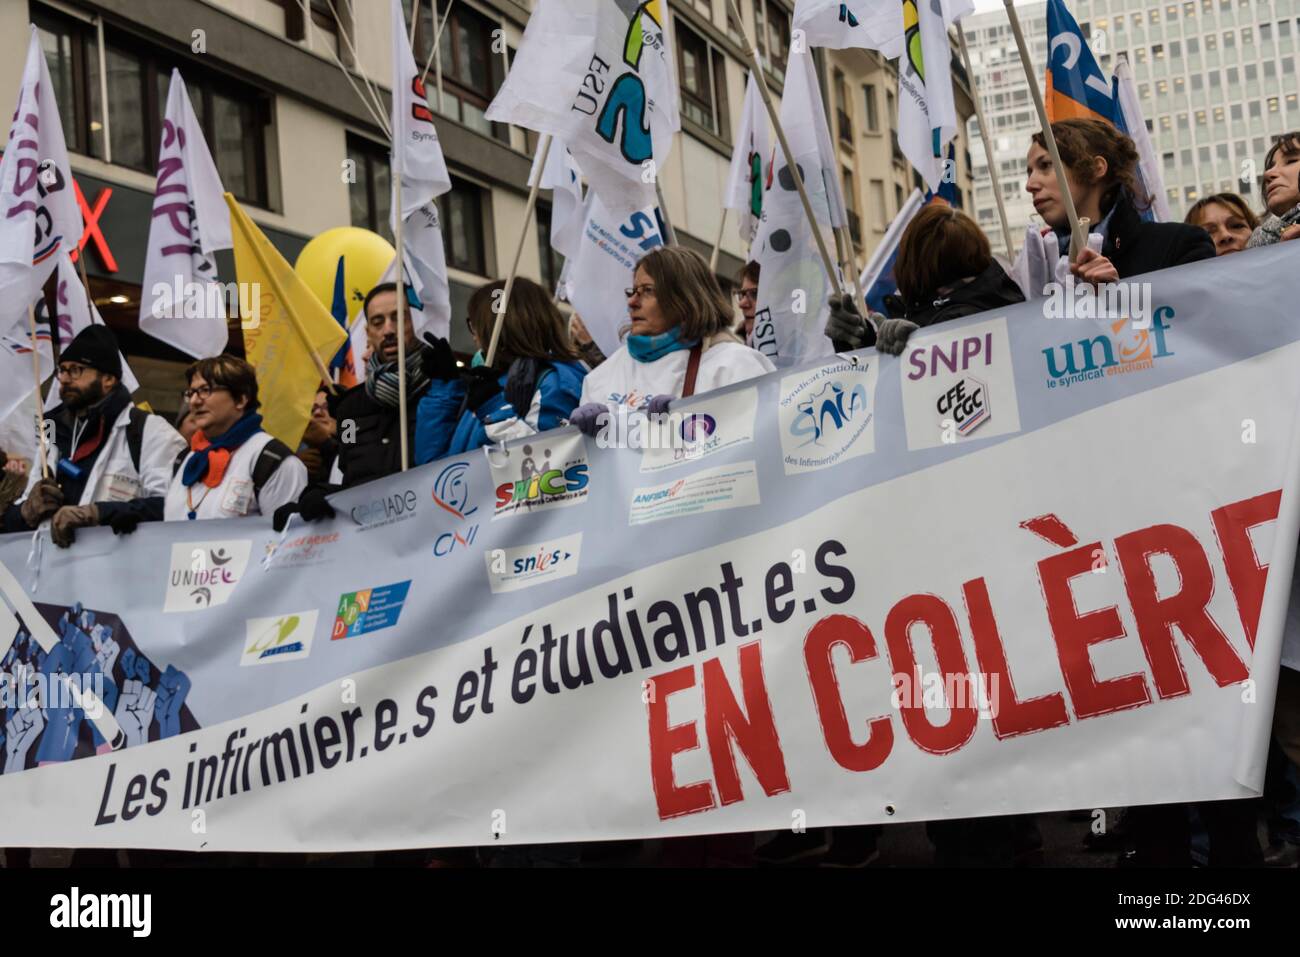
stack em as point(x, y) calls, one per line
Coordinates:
point(514, 568)
point(1121, 350)
point(827, 411)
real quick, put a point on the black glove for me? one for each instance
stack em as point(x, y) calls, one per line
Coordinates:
point(282, 515)
point(846, 328)
point(521, 383)
point(481, 385)
point(439, 363)
point(124, 522)
point(313, 505)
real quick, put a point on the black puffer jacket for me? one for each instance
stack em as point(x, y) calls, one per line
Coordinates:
point(376, 447)
point(992, 289)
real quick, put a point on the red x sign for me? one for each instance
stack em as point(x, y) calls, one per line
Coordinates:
point(93, 230)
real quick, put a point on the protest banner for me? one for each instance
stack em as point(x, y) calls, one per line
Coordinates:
point(1031, 564)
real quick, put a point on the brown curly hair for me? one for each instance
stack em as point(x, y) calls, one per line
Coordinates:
point(1080, 142)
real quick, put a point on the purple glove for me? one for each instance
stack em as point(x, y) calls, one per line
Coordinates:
point(658, 404)
point(587, 417)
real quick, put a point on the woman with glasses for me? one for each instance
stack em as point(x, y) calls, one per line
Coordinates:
point(232, 468)
point(747, 299)
point(678, 343)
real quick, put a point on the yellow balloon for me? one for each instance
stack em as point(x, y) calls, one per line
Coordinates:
point(366, 256)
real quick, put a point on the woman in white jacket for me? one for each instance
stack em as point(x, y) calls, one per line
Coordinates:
point(678, 344)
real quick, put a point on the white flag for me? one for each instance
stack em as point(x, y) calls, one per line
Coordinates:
point(927, 114)
point(39, 216)
point(16, 385)
point(418, 164)
point(75, 312)
point(562, 176)
point(182, 302)
point(841, 24)
point(750, 162)
point(599, 75)
point(596, 278)
point(790, 323)
point(1136, 126)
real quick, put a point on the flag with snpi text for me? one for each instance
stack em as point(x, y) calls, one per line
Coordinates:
point(1028, 565)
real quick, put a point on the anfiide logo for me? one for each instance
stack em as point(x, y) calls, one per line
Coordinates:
point(627, 100)
point(1122, 350)
point(283, 638)
point(204, 574)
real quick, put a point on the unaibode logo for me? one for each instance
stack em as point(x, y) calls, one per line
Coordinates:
point(1123, 350)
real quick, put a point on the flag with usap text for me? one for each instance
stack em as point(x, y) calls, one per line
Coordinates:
point(39, 215)
point(419, 166)
point(751, 162)
point(291, 335)
point(183, 304)
point(1075, 88)
point(598, 74)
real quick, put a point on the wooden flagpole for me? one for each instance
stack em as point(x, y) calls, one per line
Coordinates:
point(36, 377)
point(988, 145)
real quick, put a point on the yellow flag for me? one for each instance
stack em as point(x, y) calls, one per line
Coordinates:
point(293, 338)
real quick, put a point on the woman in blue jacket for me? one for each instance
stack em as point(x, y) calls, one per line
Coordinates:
point(532, 386)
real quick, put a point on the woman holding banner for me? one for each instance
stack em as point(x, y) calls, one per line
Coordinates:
point(1281, 189)
point(1228, 220)
point(679, 342)
point(1101, 169)
point(533, 385)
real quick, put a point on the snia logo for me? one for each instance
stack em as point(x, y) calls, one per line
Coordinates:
point(827, 411)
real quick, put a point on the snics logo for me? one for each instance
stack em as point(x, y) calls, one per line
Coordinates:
point(541, 484)
point(1114, 354)
point(827, 411)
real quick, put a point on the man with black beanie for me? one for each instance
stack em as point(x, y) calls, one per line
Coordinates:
point(110, 462)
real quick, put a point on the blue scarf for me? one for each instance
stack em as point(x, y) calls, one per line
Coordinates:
point(651, 348)
point(197, 467)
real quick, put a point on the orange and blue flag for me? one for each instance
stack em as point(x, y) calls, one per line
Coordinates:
point(1076, 87)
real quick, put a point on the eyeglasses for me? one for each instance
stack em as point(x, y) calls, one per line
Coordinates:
point(643, 291)
point(742, 294)
point(71, 370)
point(202, 391)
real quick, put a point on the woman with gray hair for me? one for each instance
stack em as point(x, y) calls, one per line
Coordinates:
point(679, 341)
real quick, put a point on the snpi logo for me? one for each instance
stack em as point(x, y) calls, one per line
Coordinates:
point(966, 404)
point(283, 638)
point(827, 412)
point(697, 427)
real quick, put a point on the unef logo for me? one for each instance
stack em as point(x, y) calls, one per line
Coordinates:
point(627, 100)
point(1124, 349)
point(451, 494)
point(827, 412)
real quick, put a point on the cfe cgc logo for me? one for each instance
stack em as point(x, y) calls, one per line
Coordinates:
point(965, 404)
point(278, 639)
point(540, 475)
point(204, 574)
point(451, 494)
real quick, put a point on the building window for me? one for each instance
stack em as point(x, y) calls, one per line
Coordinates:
point(772, 26)
point(322, 18)
point(471, 71)
point(1235, 112)
point(702, 74)
point(462, 227)
point(873, 117)
point(843, 116)
point(1270, 70)
point(1252, 72)
point(233, 117)
point(370, 196)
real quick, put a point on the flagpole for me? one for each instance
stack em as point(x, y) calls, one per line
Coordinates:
point(670, 233)
point(415, 16)
point(543, 151)
point(36, 375)
point(988, 144)
point(717, 243)
point(378, 102)
point(757, 66)
point(401, 315)
point(1078, 238)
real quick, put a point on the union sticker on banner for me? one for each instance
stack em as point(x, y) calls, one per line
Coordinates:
point(204, 574)
point(549, 471)
point(510, 569)
point(959, 386)
point(727, 486)
point(828, 415)
point(700, 430)
point(277, 639)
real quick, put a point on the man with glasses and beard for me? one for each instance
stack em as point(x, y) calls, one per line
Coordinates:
point(110, 462)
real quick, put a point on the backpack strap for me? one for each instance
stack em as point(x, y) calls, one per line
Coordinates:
point(135, 434)
point(268, 461)
point(692, 371)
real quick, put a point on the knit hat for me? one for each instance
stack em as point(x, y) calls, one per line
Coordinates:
point(95, 346)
